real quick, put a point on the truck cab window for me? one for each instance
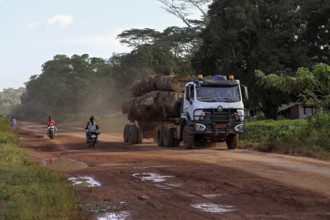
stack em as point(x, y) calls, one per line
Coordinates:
point(191, 91)
point(218, 94)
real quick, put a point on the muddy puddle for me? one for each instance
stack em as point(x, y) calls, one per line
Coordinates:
point(107, 209)
point(153, 177)
point(85, 181)
point(64, 164)
point(115, 216)
point(213, 208)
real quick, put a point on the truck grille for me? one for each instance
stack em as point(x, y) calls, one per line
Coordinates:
point(219, 120)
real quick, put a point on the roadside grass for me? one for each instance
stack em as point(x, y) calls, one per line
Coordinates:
point(300, 137)
point(27, 190)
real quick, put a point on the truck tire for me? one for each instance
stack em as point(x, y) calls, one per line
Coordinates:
point(133, 136)
point(188, 140)
point(168, 137)
point(232, 141)
point(139, 135)
point(125, 133)
point(176, 142)
point(160, 140)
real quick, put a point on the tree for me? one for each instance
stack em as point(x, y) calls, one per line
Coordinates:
point(138, 37)
point(314, 85)
point(182, 10)
point(182, 41)
point(155, 52)
point(69, 87)
point(10, 100)
point(274, 90)
point(271, 36)
point(310, 87)
point(144, 61)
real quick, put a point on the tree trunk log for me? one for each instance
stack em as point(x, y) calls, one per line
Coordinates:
point(151, 103)
point(157, 82)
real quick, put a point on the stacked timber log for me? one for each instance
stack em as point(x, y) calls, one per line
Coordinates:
point(153, 96)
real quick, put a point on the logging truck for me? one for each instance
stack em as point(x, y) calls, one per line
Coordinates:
point(199, 112)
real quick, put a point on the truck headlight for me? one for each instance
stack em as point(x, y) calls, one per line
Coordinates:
point(239, 128)
point(200, 127)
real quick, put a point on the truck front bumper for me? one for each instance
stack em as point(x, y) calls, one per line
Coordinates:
point(218, 129)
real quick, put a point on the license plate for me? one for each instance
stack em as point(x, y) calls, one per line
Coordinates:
point(221, 126)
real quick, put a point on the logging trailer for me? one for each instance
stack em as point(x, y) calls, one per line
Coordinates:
point(199, 112)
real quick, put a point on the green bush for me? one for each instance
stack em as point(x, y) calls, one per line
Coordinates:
point(309, 137)
point(317, 132)
point(265, 130)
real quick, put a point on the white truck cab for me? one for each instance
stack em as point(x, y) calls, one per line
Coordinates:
point(213, 111)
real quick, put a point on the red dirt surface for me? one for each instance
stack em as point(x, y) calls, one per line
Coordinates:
point(148, 182)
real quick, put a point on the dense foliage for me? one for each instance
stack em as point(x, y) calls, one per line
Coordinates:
point(10, 100)
point(271, 36)
point(69, 87)
point(308, 86)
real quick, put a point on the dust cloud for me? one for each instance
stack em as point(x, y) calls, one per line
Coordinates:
point(105, 106)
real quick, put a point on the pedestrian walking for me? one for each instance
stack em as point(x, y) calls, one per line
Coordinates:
point(13, 123)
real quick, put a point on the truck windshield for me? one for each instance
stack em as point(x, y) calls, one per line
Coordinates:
point(218, 94)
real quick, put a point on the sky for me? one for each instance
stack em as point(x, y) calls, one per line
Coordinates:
point(34, 31)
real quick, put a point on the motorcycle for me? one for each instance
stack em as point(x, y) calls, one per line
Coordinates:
point(51, 131)
point(92, 138)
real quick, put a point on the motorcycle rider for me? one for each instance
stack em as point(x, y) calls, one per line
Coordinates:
point(51, 122)
point(91, 126)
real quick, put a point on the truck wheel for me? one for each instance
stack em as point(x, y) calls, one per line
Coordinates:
point(126, 128)
point(188, 140)
point(232, 141)
point(133, 136)
point(139, 135)
point(168, 137)
point(160, 140)
point(176, 142)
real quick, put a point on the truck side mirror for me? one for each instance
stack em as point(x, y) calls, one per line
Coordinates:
point(245, 92)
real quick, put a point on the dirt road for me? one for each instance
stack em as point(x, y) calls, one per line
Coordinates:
point(120, 181)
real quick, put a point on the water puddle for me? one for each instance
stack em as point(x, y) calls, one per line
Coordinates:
point(169, 185)
point(85, 181)
point(107, 209)
point(143, 168)
point(214, 208)
point(115, 216)
point(211, 196)
point(160, 186)
point(64, 164)
point(153, 177)
point(174, 185)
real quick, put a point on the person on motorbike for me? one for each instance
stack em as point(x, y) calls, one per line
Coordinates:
point(91, 126)
point(51, 122)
